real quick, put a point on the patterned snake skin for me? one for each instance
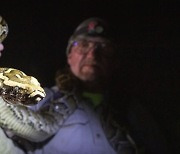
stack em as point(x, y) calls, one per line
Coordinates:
point(17, 92)
point(3, 29)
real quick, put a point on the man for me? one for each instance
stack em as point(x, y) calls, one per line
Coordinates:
point(97, 126)
point(90, 55)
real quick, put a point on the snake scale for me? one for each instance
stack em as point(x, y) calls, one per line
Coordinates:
point(18, 91)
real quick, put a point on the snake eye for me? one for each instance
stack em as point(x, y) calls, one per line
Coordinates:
point(15, 90)
point(3, 29)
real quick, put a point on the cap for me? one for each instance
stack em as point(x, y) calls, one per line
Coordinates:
point(92, 27)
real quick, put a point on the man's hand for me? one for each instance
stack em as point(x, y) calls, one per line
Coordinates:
point(1, 47)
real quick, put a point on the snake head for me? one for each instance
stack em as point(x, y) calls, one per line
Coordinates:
point(18, 88)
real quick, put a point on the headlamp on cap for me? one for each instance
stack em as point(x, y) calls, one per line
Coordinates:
point(93, 27)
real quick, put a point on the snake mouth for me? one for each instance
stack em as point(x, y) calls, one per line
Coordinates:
point(17, 95)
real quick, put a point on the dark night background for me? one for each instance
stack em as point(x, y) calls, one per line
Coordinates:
point(147, 34)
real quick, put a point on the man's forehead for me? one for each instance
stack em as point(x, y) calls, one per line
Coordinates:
point(93, 39)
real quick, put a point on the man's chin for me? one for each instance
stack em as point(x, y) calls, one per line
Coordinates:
point(90, 76)
point(90, 73)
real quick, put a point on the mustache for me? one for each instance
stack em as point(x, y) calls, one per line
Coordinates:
point(97, 65)
point(90, 62)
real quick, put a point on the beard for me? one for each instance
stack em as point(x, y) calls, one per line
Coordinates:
point(88, 73)
point(93, 78)
point(91, 72)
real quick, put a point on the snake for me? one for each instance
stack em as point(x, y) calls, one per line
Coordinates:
point(3, 29)
point(19, 91)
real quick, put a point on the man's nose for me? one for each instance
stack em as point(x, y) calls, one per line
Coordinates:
point(92, 51)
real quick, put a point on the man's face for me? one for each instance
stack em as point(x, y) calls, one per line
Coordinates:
point(90, 59)
point(1, 48)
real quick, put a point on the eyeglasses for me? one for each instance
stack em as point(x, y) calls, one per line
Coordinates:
point(84, 46)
